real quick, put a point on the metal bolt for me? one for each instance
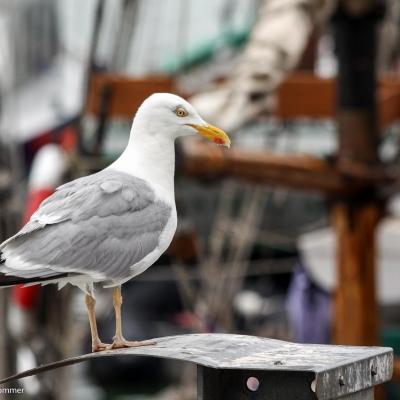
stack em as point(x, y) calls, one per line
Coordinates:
point(253, 384)
point(341, 380)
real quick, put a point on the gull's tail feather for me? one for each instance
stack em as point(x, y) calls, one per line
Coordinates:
point(10, 280)
point(2, 259)
point(11, 276)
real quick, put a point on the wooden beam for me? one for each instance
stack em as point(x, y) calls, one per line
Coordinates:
point(299, 172)
point(303, 95)
point(355, 313)
point(126, 93)
point(388, 100)
point(396, 369)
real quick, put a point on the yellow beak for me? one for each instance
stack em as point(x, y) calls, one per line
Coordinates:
point(213, 133)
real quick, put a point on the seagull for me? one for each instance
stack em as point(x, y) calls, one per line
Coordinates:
point(109, 227)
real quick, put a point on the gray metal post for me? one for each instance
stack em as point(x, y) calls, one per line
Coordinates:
point(221, 384)
point(215, 384)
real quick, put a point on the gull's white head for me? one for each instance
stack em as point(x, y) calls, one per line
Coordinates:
point(165, 115)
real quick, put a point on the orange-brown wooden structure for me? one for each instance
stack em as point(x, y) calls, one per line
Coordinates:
point(305, 95)
point(125, 93)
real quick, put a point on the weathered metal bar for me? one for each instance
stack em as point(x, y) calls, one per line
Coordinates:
point(248, 367)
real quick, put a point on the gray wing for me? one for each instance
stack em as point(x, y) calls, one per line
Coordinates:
point(99, 225)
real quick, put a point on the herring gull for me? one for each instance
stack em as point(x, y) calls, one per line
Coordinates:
point(108, 227)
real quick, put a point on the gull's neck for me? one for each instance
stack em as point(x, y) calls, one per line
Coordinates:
point(151, 158)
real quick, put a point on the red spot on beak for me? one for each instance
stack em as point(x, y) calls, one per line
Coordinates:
point(218, 141)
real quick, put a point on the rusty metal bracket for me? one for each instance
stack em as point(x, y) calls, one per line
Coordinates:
point(242, 367)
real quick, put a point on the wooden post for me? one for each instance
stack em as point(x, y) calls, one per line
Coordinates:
point(356, 318)
point(356, 219)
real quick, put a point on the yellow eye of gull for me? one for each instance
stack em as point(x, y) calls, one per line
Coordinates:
point(181, 112)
